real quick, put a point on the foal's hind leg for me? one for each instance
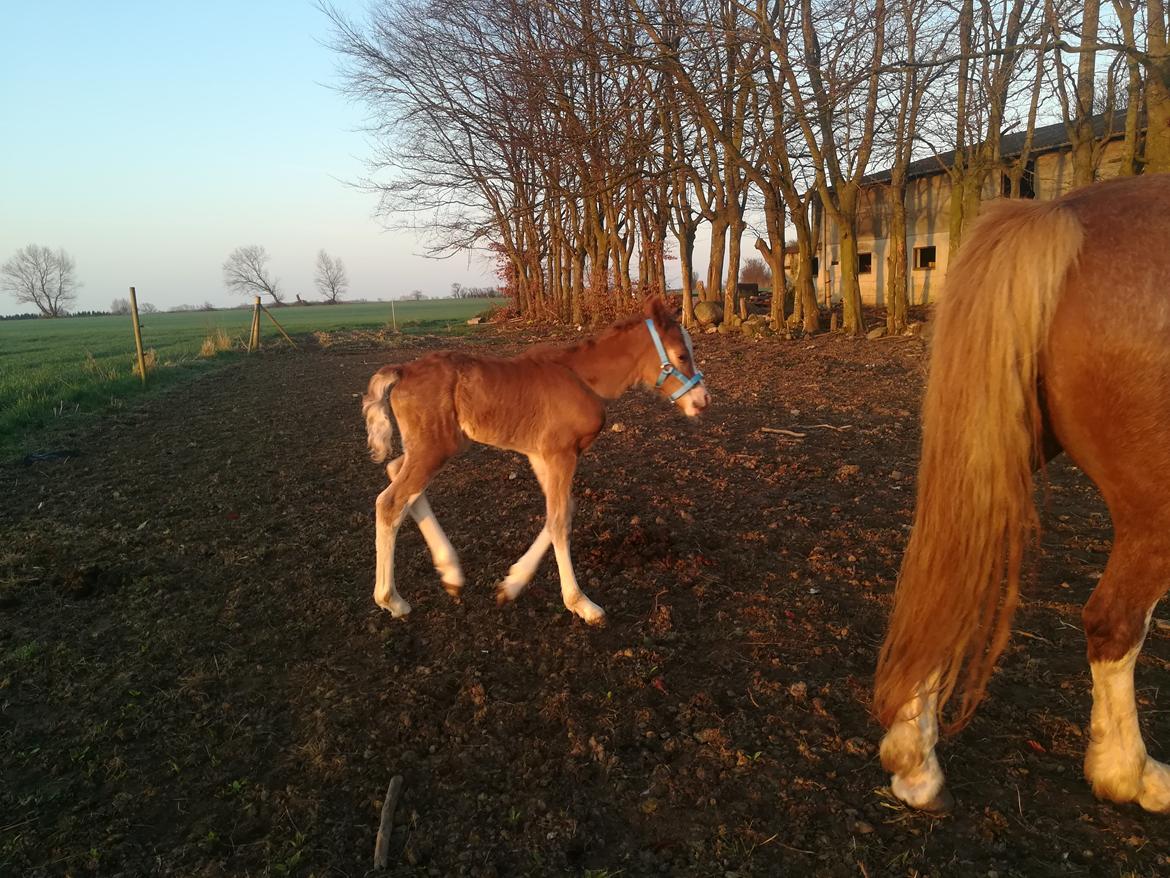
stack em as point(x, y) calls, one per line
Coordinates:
point(389, 509)
point(1116, 619)
point(555, 473)
point(442, 552)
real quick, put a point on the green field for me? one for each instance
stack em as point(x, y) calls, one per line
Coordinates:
point(55, 372)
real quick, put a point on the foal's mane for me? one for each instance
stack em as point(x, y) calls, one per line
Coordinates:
point(555, 351)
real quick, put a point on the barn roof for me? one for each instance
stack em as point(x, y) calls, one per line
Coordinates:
point(1045, 139)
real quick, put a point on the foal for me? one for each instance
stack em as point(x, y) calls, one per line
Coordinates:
point(548, 403)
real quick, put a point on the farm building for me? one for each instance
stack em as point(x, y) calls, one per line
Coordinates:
point(1047, 174)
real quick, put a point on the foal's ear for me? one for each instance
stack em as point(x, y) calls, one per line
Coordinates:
point(657, 309)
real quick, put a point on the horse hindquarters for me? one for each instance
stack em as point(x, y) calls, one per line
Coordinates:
point(974, 515)
point(1107, 379)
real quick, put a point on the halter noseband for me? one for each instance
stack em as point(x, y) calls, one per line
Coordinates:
point(668, 368)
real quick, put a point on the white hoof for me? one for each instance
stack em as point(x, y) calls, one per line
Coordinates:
point(587, 610)
point(396, 606)
point(1155, 795)
point(510, 589)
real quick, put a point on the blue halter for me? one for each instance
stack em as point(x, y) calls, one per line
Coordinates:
point(668, 368)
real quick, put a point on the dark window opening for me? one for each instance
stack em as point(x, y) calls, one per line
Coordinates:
point(864, 263)
point(1027, 182)
point(924, 258)
point(816, 265)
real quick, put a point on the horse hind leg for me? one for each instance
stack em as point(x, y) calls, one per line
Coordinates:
point(443, 554)
point(1116, 619)
point(409, 482)
point(908, 753)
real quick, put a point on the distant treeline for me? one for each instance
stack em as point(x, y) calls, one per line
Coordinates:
point(121, 307)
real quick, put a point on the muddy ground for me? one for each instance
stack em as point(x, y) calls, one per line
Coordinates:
point(194, 680)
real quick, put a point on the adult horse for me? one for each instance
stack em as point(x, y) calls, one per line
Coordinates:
point(1054, 334)
point(548, 403)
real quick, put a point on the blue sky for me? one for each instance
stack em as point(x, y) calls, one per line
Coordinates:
point(150, 139)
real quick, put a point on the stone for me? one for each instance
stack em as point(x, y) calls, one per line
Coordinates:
point(876, 333)
point(708, 313)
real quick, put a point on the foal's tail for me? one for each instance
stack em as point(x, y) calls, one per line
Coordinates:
point(376, 408)
point(981, 428)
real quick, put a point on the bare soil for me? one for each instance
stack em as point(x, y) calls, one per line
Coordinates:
point(195, 681)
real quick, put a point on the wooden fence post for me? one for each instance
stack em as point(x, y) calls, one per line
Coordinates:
point(137, 335)
point(287, 337)
point(254, 335)
point(393, 315)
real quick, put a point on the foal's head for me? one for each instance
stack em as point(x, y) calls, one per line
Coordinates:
point(669, 363)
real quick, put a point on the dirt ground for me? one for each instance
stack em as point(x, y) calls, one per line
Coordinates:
point(194, 680)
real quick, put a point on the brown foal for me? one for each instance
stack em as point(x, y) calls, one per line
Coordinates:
point(1054, 334)
point(547, 403)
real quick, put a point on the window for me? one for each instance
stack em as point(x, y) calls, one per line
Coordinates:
point(924, 258)
point(816, 266)
point(865, 263)
point(1027, 182)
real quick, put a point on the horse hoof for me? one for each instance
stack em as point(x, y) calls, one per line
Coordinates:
point(590, 612)
point(455, 589)
point(506, 592)
point(397, 609)
point(942, 803)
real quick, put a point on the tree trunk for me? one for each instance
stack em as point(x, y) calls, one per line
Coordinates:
point(715, 266)
point(897, 296)
point(1157, 90)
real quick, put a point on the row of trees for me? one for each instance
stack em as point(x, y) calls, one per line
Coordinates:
point(585, 144)
point(246, 272)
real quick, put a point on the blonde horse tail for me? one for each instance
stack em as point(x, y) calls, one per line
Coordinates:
point(981, 429)
point(376, 408)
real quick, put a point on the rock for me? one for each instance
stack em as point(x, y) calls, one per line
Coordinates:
point(618, 427)
point(735, 321)
point(876, 333)
point(724, 329)
point(708, 313)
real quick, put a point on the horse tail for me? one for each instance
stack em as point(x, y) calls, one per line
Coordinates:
point(981, 434)
point(376, 408)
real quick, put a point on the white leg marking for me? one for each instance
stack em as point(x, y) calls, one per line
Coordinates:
point(385, 595)
point(908, 751)
point(571, 593)
point(1116, 763)
point(442, 552)
point(521, 573)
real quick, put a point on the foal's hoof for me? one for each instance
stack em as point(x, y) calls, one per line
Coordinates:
point(507, 591)
point(589, 611)
point(395, 607)
point(455, 589)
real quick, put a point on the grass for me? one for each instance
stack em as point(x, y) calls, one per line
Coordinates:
point(55, 373)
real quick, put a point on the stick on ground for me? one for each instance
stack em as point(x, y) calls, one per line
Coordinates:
point(386, 824)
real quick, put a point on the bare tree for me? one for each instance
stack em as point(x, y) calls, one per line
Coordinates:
point(246, 272)
point(120, 306)
point(331, 278)
point(755, 271)
point(38, 276)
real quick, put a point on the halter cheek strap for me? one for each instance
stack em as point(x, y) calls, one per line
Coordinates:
point(668, 368)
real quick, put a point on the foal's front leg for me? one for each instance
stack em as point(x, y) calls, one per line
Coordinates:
point(556, 477)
